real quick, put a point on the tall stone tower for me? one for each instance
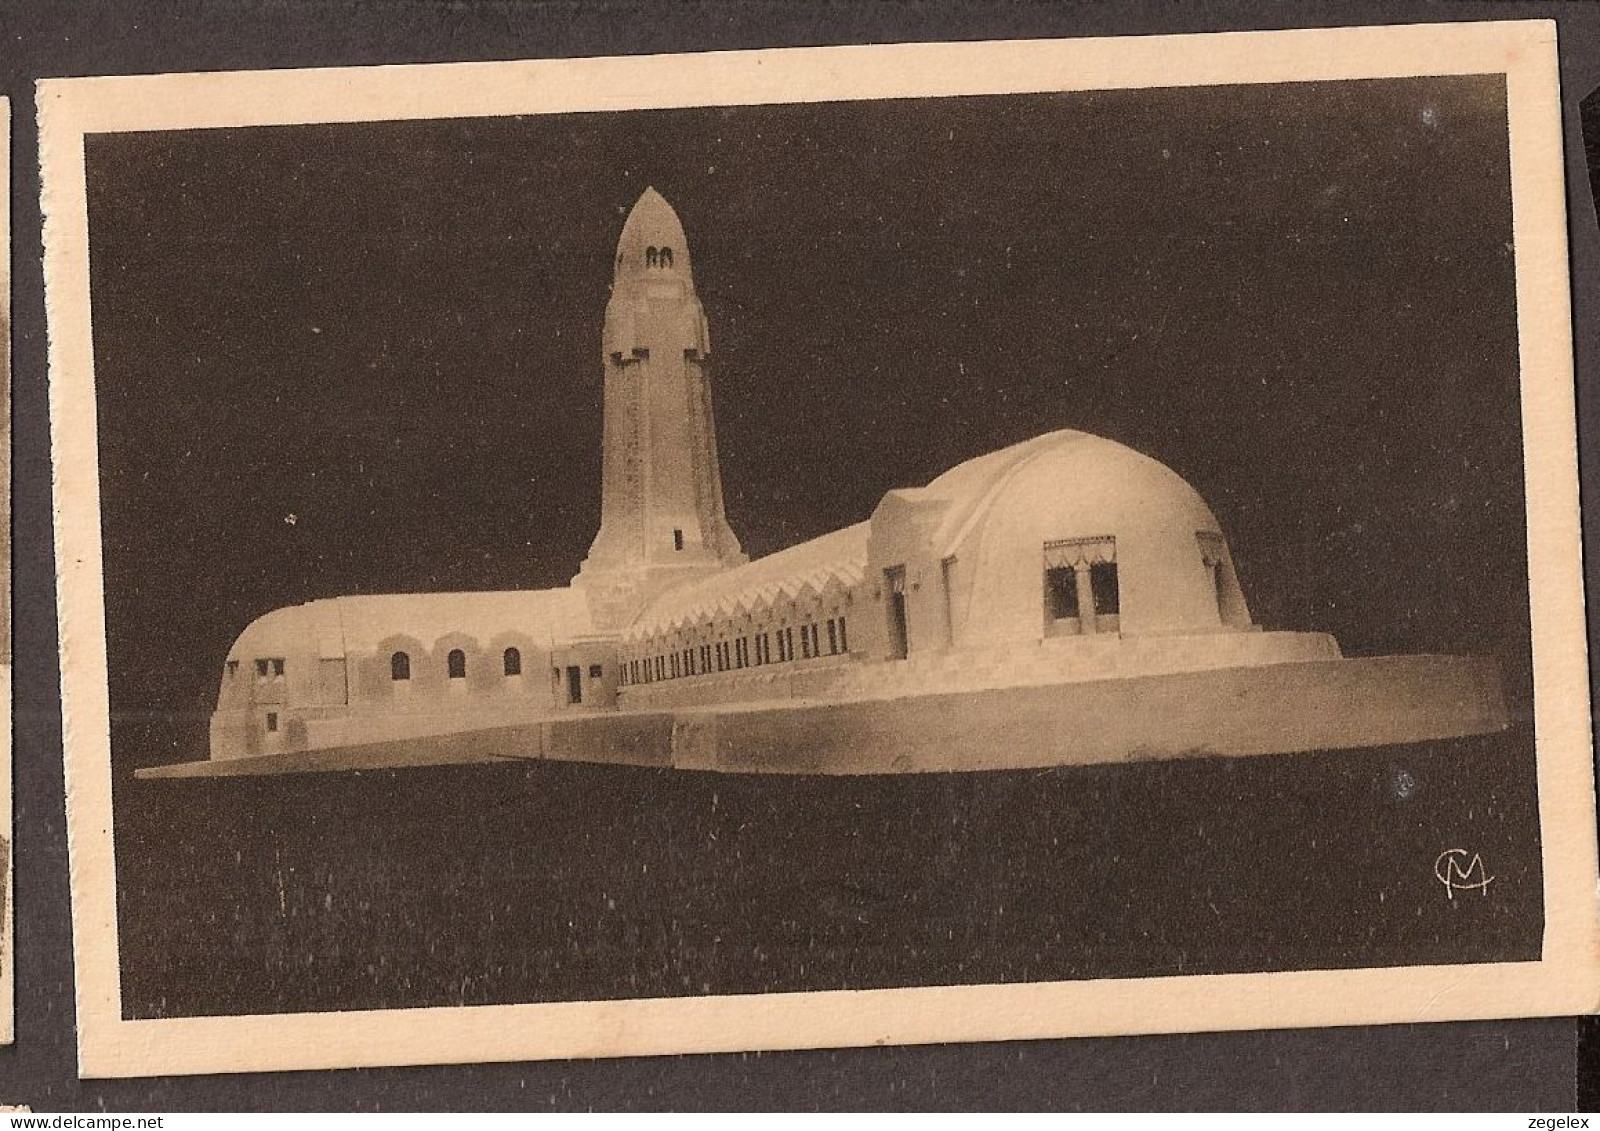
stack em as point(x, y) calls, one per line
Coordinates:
point(661, 517)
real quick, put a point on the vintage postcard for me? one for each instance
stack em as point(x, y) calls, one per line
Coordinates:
point(800, 548)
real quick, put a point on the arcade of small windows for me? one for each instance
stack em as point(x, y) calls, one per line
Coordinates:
point(455, 664)
point(658, 257)
point(817, 639)
point(268, 669)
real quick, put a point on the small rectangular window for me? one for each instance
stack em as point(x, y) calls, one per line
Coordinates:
point(1061, 592)
point(844, 639)
point(233, 668)
point(596, 671)
point(677, 539)
point(833, 637)
point(1103, 584)
point(277, 669)
point(272, 722)
point(261, 669)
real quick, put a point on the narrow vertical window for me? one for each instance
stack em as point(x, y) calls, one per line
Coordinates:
point(272, 722)
point(277, 669)
point(833, 637)
point(1103, 584)
point(233, 668)
point(399, 666)
point(261, 669)
point(1061, 592)
point(513, 661)
point(844, 639)
point(456, 664)
point(649, 257)
point(666, 257)
point(677, 539)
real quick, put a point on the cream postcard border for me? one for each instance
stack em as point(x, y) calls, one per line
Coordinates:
point(1565, 981)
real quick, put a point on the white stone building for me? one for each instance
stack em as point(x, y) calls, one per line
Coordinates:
point(1067, 588)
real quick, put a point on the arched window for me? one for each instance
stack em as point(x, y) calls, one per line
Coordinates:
point(666, 257)
point(456, 663)
point(399, 666)
point(513, 660)
point(649, 257)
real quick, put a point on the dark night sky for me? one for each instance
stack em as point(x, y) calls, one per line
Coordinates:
point(1298, 297)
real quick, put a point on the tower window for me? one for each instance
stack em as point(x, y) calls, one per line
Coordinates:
point(233, 668)
point(261, 669)
point(277, 669)
point(272, 722)
point(649, 257)
point(1103, 584)
point(666, 257)
point(399, 666)
point(833, 637)
point(513, 661)
point(677, 539)
point(456, 664)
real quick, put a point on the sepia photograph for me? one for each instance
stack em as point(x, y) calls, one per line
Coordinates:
point(818, 547)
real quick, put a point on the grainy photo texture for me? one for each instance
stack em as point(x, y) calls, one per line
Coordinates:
point(661, 554)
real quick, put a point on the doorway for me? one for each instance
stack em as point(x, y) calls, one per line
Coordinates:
point(894, 585)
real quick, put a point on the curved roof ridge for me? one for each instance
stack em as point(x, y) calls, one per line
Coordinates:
point(1022, 455)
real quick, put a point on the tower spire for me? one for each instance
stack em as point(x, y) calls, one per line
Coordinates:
point(661, 513)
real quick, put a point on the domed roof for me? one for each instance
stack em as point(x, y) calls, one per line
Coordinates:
point(1080, 481)
point(651, 226)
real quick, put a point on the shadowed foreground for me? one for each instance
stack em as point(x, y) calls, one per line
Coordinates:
point(541, 882)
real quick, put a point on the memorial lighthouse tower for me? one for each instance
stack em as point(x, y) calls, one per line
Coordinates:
point(661, 516)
